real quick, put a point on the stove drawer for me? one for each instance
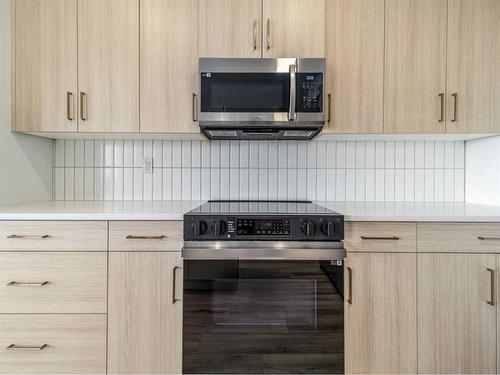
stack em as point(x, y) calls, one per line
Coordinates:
point(145, 235)
point(380, 237)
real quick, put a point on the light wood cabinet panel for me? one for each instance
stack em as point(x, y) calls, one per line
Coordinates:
point(169, 63)
point(381, 321)
point(293, 28)
point(415, 66)
point(146, 235)
point(458, 237)
point(44, 65)
point(380, 237)
point(145, 325)
point(76, 343)
point(355, 66)
point(456, 325)
point(473, 66)
point(230, 28)
point(53, 235)
point(76, 282)
point(108, 65)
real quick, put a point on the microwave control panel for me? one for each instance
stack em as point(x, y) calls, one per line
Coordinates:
point(309, 92)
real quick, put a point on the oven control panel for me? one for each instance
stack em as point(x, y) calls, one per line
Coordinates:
point(309, 92)
point(286, 228)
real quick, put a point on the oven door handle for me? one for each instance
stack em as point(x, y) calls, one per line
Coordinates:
point(293, 93)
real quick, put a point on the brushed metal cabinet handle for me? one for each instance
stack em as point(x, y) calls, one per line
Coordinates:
point(488, 238)
point(329, 115)
point(195, 107)
point(492, 287)
point(441, 103)
point(174, 285)
point(254, 40)
point(132, 237)
point(20, 237)
point(83, 106)
point(349, 277)
point(21, 283)
point(24, 347)
point(69, 102)
point(268, 34)
point(454, 96)
point(393, 238)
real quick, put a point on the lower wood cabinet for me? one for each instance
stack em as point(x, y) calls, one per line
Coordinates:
point(380, 313)
point(145, 313)
point(457, 329)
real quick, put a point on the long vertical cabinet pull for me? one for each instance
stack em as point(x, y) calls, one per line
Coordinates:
point(195, 107)
point(174, 285)
point(454, 96)
point(329, 102)
point(492, 287)
point(268, 34)
point(254, 41)
point(69, 102)
point(83, 106)
point(441, 103)
point(349, 277)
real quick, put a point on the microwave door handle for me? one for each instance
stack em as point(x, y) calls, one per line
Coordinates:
point(293, 94)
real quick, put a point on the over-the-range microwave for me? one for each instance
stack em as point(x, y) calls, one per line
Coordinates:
point(243, 98)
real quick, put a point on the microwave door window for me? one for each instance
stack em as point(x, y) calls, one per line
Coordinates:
point(245, 92)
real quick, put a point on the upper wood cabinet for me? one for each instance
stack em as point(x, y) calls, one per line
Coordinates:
point(380, 332)
point(108, 65)
point(230, 28)
point(355, 66)
point(293, 28)
point(169, 62)
point(415, 66)
point(473, 97)
point(44, 82)
point(456, 314)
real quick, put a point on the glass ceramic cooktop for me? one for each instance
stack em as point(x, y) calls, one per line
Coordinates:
point(261, 207)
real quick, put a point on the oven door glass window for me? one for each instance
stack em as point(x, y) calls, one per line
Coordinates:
point(245, 92)
point(261, 317)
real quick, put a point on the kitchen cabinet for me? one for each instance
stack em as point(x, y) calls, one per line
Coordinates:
point(473, 75)
point(44, 74)
point(380, 313)
point(108, 65)
point(415, 66)
point(293, 28)
point(456, 313)
point(168, 80)
point(230, 28)
point(355, 66)
point(145, 313)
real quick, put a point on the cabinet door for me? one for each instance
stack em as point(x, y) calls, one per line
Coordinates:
point(108, 65)
point(293, 28)
point(145, 313)
point(44, 65)
point(169, 62)
point(355, 66)
point(456, 324)
point(380, 313)
point(473, 66)
point(415, 70)
point(230, 28)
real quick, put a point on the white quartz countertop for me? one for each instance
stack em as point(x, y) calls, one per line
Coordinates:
point(174, 210)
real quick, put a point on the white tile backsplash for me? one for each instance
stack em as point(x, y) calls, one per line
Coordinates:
point(324, 170)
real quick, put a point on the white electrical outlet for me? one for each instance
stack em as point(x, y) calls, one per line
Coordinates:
point(147, 165)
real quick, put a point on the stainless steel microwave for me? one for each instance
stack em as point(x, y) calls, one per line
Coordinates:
point(244, 98)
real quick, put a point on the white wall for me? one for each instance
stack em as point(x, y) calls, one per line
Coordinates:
point(482, 171)
point(25, 161)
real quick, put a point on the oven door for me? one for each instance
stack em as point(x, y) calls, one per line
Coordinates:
point(262, 316)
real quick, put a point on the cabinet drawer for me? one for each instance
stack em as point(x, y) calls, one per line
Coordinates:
point(50, 282)
point(458, 237)
point(75, 344)
point(53, 235)
point(145, 235)
point(380, 237)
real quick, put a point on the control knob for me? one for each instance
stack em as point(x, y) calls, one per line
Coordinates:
point(308, 228)
point(219, 228)
point(199, 228)
point(328, 229)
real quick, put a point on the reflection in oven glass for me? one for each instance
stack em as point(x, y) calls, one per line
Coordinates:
point(261, 317)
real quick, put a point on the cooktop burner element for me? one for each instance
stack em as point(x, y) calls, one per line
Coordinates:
point(263, 221)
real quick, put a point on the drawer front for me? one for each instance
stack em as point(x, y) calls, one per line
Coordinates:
point(47, 282)
point(145, 235)
point(380, 237)
point(458, 237)
point(53, 235)
point(75, 344)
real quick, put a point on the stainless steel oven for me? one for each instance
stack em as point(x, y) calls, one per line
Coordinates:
point(261, 98)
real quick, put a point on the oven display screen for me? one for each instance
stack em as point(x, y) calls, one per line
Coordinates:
point(259, 227)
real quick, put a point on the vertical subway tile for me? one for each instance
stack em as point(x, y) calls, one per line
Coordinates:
point(379, 185)
point(108, 153)
point(157, 154)
point(302, 155)
point(148, 148)
point(215, 184)
point(439, 185)
point(69, 184)
point(254, 155)
point(399, 185)
point(167, 154)
point(429, 155)
point(360, 185)
point(439, 154)
point(108, 184)
point(409, 185)
point(79, 153)
point(292, 153)
point(244, 183)
point(128, 153)
point(370, 185)
point(167, 184)
point(177, 184)
point(429, 185)
point(370, 154)
point(340, 184)
point(59, 184)
point(331, 154)
point(59, 150)
point(419, 154)
point(234, 158)
point(128, 184)
point(244, 154)
point(99, 184)
point(224, 154)
point(253, 183)
point(292, 184)
point(360, 154)
point(459, 185)
point(273, 183)
point(312, 184)
point(320, 155)
point(350, 189)
point(118, 184)
point(380, 154)
point(312, 152)
point(459, 154)
point(419, 185)
point(399, 154)
point(89, 184)
point(350, 161)
point(205, 183)
point(449, 184)
point(390, 192)
point(138, 184)
point(449, 154)
point(330, 184)
point(390, 154)
point(157, 184)
point(186, 184)
point(263, 183)
point(206, 151)
point(186, 154)
point(118, 154)
point(79, 184)
point(409, 155)
point(301, 183)
point(224, 183)
point(320, 184)
point(147, 187)
point(196, 184)
point(69, 153)
point(99, 153)
point(264, 154)
point(176, 154)
point(340, 157)
point(138, 153)
point(234, 183)
point(273, 154)
point(282, 183)
point(282, 154)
